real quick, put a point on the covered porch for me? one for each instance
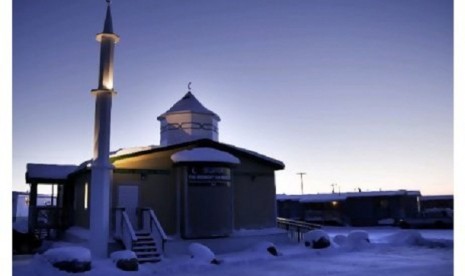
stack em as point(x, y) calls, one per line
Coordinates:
point(49, 220)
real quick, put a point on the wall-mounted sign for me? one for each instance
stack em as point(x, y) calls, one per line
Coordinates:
point(208, 176)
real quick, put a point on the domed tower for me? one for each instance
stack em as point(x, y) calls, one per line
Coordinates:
point(187, 120)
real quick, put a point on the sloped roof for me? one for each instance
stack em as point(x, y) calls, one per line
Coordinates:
point(48, 173)
point(437, 197)
point(312, 197)
point(188, 103)
point(237, 151)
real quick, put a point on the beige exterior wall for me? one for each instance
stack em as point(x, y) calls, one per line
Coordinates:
point(254, 196)
point(80, 213)
point(157, 189)
point(253, 190)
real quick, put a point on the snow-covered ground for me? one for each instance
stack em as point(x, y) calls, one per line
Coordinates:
point(391, 252)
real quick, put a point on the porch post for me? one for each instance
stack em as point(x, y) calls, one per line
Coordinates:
point(32, 217)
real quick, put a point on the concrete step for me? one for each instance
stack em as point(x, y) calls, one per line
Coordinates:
point(149, 260)
point(144, 242)
point(144, 247)
point(144, 238)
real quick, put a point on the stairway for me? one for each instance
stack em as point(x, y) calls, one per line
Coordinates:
point(145, 248)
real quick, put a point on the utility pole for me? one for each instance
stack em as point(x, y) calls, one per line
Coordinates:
point(301, 181)
point(333, 185)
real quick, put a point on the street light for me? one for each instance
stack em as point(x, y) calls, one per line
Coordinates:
point(301, 181)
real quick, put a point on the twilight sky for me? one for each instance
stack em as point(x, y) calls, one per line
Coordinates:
point(357, 93)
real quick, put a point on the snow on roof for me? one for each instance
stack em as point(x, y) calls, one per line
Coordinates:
point(142, 149)
point(323, 198)
point(124, 151)
point(49, 171)
point(313, 197)
point(384, 193)
point(188, 103)
point(256, 154)
point(121, 152)
point(204, 155)
point(342, 196)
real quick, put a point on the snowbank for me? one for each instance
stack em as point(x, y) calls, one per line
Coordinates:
point(126, 260)
point(267, 248)
point(357, 236)
point(317, 239)
point(355, 240)
point(42, 267)
point(340, 240)
point(414, 238)
point(69, 259)
point(200, 252)
point(71, 253)
point(123, 255)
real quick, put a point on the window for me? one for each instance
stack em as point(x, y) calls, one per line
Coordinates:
point(86, 195)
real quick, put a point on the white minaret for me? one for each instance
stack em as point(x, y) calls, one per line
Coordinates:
point(101, 169)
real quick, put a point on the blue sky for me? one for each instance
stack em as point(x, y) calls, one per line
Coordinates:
point(357, 93)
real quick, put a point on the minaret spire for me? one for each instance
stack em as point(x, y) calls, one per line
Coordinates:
point(108, 27)
point(102, 169)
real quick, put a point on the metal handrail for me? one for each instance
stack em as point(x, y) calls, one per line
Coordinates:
point(299, 223)
point(296, 227)
point(124, 230)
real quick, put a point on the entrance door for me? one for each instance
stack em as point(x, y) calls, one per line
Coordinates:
point(208, 203)
point(128, 197)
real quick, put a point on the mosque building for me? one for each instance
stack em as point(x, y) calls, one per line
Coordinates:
point(191, 186)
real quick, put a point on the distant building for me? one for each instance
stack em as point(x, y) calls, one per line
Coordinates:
point(20, 202)
point(356, 209)
point(437, 201)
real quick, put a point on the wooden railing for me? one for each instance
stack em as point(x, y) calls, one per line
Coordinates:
point(123, 228)
point(151, 224)
point(47, 221)
point(296, 228)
